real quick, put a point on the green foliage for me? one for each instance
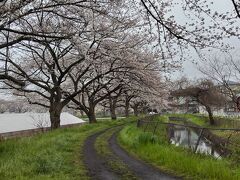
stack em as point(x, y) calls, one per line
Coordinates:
point(145, 138)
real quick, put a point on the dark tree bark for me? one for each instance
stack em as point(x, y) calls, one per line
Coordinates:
point(113, 114)
point(135, 110)
point(206, 94)
point(127, 108)
point(89, 109)
point(210, 115)
point(91, 115)
point(81, 112)
point(113, 102)
point(93, 98)
point(55, 113)
point(127, 100)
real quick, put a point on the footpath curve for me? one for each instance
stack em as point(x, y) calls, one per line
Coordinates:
point(141, 169)
point(98, 167)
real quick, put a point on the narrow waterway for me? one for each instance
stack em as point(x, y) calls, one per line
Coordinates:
point(187, 137)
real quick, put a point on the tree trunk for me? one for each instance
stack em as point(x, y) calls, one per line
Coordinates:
point(210, 115)
point(92, 118)
point(91, 115)
point(104, 112)
point(135, 110)
point(55, 113)
point(112, 103)
point(113, 112)
point(81, 112)
point(127, 109)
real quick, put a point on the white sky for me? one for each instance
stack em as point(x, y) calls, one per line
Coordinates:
point(190, 69)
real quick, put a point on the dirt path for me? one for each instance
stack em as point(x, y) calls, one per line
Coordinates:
point(96, 165)
point(98, 168)
point(141, 169)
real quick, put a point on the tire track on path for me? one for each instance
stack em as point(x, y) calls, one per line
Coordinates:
point(141, 169)
point(96, 166)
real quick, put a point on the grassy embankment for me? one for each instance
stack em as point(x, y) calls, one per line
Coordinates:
point(180, 161)
point(53, 155)
point(201, 120)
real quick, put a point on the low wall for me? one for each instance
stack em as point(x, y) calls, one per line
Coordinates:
point(31, 132)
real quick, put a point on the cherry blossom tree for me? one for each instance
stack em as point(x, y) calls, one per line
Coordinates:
point(224, 70)
point(201, 23)
point(40, 68)
point(206, 94)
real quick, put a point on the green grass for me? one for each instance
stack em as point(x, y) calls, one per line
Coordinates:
point(163, 118)
point(154, 149)
point(53, 155)
point(202, 120)
point(196, 119)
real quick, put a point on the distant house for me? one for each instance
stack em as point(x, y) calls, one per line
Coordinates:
point(231, 106)
point(180, 104)
point(183, 105)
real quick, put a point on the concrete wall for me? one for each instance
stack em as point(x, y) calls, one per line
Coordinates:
point(31, 132)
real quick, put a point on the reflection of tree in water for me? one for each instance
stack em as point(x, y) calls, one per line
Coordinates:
point(186, 137)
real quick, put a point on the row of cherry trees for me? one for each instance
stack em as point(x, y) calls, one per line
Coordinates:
point(79, 53)
point(74, 53)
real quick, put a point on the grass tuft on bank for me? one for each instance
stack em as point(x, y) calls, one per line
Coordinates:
point(177, 160)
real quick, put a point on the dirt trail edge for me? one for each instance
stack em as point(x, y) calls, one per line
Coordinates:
point(141, 169)
point(96, 165)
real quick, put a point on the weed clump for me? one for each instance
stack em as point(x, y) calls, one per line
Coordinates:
point(145, 138)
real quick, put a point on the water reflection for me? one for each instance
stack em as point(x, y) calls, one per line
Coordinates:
point(186, 137)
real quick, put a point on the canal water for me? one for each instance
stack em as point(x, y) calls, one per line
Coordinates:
point(187, 137)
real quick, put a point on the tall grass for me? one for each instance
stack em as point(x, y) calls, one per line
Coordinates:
point(173, 159)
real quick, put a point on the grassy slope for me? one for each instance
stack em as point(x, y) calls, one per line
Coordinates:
point(175, 159)
point(53, 155)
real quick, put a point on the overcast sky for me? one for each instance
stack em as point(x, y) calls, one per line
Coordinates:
point(189, 68)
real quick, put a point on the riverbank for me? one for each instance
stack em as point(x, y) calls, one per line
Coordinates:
point(230, 138)
point(178, 160)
